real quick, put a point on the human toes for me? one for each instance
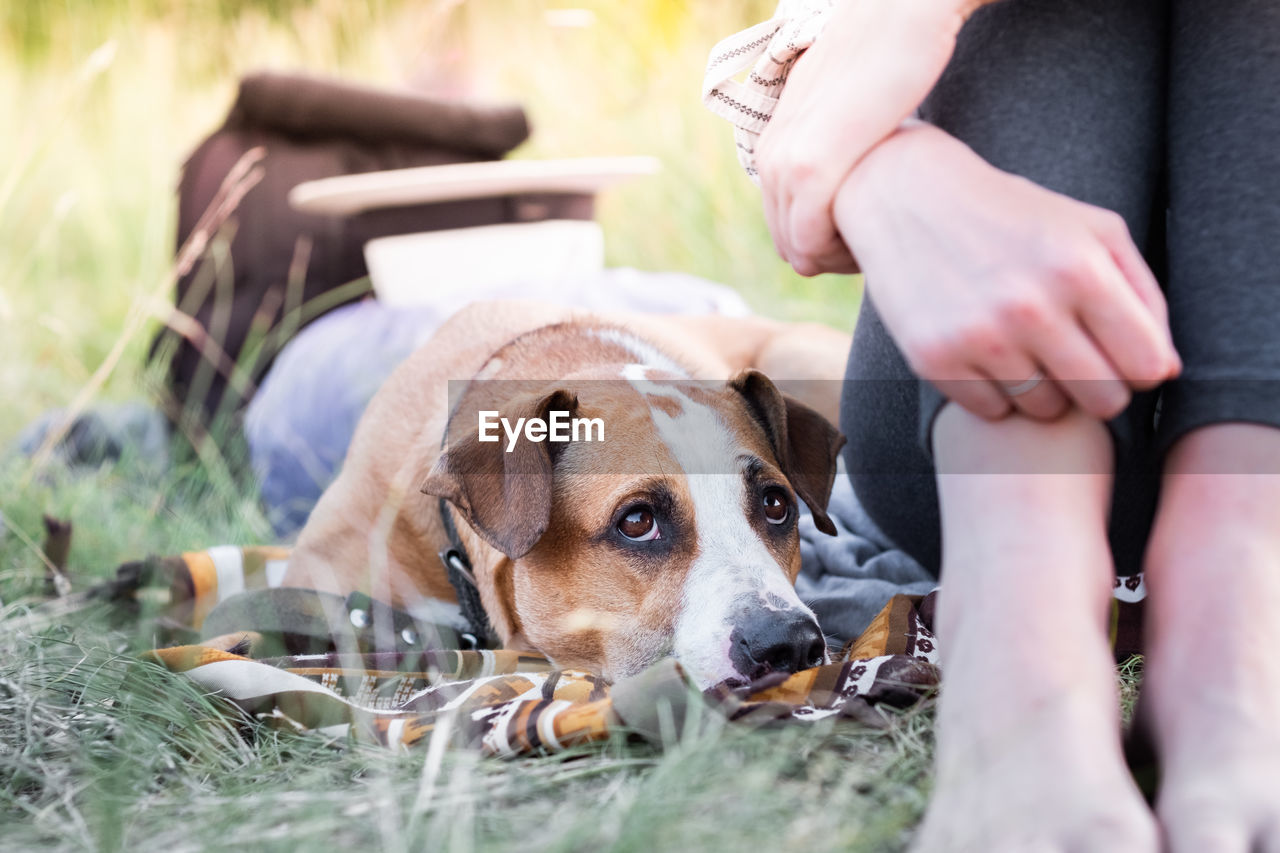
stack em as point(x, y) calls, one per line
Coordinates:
point(1231, 806)
point(1123, 826)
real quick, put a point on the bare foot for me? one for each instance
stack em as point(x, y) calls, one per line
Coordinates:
point(1029, 755)
point(1053, 781)
point(1212, 683)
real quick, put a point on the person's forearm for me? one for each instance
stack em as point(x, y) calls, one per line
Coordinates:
point(873, 65)
point(827, 84)
point(874, 179)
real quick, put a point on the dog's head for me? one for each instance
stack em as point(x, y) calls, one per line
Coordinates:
point(676, 534)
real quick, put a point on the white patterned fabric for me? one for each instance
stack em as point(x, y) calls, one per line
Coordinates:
point(766, 52)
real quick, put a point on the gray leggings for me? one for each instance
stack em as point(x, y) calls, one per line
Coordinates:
point(1167, 112)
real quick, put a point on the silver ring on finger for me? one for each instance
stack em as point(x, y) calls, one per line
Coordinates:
point(1017, 389)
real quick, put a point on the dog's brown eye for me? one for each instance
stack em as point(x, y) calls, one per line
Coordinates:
point(639, 525)
point(776, 508)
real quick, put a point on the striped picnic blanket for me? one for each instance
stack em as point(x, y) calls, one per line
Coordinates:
point(509, 703)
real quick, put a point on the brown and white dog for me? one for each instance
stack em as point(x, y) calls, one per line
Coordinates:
point(676, 534)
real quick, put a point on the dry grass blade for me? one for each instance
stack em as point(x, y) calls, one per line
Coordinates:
point(242, 177)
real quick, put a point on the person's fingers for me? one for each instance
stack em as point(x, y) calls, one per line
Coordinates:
point(1124, 329)
point(975, 392)
point(803, 228)
point(835, 257)
point(774, 192)
point(811, 223)
point(1114, 233)
point(1079, 369)
point(1042, 399)
point(823, 249)
point(769, 197)
point(943, 354)
point(1045, 402)
point(951, 352)
point(846, 264)
point(1006, 361)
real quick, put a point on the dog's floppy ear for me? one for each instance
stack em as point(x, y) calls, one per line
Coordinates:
point(804, 442)
point(505, 497)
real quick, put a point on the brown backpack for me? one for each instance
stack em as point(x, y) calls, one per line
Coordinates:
point(282, 268)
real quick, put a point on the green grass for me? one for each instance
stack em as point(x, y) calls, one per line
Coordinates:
point(105, 752)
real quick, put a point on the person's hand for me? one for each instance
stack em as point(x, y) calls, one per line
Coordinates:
point(873, 65)
point(986, 280)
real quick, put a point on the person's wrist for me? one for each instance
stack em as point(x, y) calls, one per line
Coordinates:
point(880, 180)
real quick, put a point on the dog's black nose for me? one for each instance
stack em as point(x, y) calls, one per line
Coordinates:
point(771, 641)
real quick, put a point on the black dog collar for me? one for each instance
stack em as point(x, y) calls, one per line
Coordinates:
point(457, 567)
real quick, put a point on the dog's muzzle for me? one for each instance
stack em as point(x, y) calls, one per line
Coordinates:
point(765, 641)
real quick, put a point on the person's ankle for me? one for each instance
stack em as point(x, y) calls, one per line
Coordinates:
point(1075, 444)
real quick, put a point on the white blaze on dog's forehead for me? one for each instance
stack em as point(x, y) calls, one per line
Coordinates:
point(635, 372)
point(697, 437)
point(640, 350)
point(734, 567)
